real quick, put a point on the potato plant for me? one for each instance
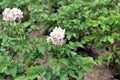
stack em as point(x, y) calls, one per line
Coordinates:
point(78, 26)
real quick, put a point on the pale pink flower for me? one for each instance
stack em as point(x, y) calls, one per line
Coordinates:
point(17, 13)
point(57, 36)
point(12, 14)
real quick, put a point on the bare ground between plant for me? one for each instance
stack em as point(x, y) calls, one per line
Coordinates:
point(100, 72)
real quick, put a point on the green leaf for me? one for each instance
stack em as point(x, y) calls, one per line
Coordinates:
point(75, 45)
point(41, 49)
point(88, 60)
point(111, 39)
point(69, 35)
point(63, 76)
point(73, 53)
point(34, 71)
point(88, 67)
point(11, 71)
point(71, 73)
point(52, 60)
point(109, 57)
point(88, 63)
point(64, 61)
point(105, 27)
point(48, 76)
point(104, 38)
point(2, 77)
point(94, 23)
point(57, 68)
point(80, 75)
point(100, 59)
point(21, 78)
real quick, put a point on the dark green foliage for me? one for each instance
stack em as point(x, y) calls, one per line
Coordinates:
point(88, 24)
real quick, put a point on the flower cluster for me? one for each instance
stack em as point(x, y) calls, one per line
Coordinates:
point(57, 36)
point(12, 14)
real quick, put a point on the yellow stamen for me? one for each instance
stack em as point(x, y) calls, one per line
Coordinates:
point(8, 19)
point(55, 40)
point(58, 35)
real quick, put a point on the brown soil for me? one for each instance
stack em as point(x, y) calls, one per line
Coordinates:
point(35, 34)
point(100, 72)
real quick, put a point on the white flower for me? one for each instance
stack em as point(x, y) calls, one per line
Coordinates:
point(58, 33)
point(7, 14)
point(12, 14)
point(17, 13)
point(57, 36)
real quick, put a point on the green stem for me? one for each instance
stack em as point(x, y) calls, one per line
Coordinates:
point(50, 5)
point(59, 52)
point(59, 56)
point(19, 34)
